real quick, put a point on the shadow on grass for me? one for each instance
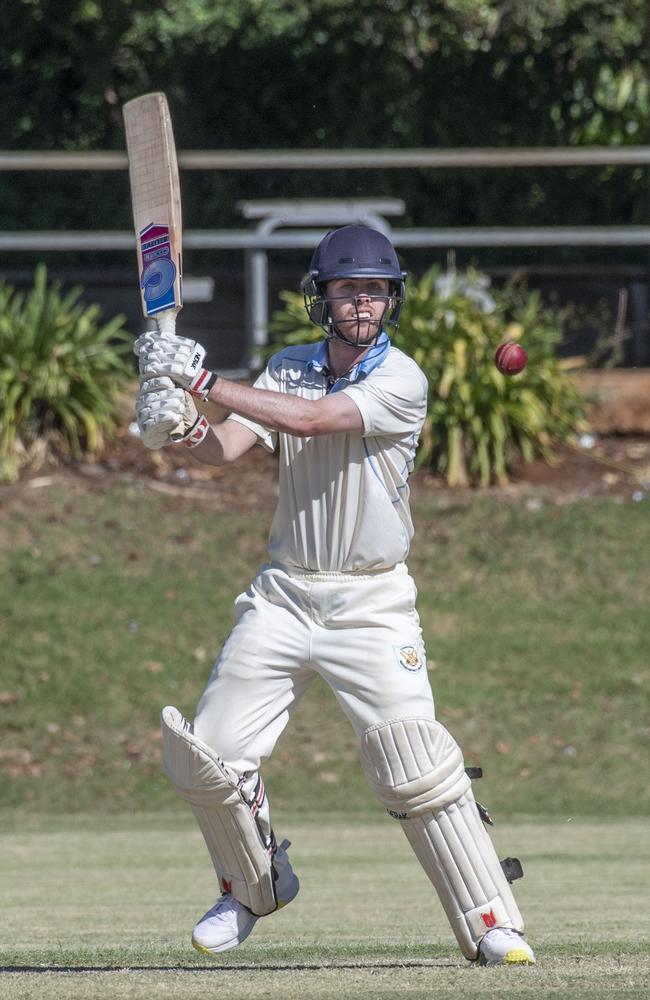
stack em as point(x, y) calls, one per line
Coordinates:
point(289, 967)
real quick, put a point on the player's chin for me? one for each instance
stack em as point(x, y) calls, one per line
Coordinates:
point(358, 334)
point(362, 341)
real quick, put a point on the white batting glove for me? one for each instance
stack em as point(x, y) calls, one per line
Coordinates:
point(166, 415)
point(177, 358)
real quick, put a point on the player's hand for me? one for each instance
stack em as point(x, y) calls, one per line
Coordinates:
point(167, 415)
point(177, 358)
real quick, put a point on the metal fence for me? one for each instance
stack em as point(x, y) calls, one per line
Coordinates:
point(321, 214)
point(343, 159)
point(350, 159)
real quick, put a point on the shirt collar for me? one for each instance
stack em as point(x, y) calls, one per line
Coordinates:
point(368, 363)
point(319, 361)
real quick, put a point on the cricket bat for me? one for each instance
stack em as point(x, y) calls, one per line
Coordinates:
point(156, 202)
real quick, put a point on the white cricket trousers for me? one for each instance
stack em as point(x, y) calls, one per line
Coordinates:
point(361, 633)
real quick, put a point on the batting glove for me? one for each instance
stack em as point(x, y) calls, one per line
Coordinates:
point(167, 415)
point(177, 358)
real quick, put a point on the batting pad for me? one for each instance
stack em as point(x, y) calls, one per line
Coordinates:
point(417, 771)
point(240, 856)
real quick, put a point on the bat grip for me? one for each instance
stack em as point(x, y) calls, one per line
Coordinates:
point(166, 322)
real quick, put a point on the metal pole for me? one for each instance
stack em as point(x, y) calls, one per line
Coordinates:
point(305, 239)
point(257, 303)
point(344, 159)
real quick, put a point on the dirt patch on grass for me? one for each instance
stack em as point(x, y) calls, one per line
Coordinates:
point(612, 461)
point(611, 465)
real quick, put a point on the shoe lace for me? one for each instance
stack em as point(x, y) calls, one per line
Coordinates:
point(507, 931)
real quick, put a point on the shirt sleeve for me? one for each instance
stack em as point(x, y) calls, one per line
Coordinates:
point(391, 403)
point(266, 437)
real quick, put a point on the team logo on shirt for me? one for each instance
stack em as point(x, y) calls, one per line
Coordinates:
point(408, 657)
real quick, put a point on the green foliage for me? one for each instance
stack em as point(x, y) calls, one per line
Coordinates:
point(62, 373)
point(478, 420)
point(291, 325)
point(526, 72)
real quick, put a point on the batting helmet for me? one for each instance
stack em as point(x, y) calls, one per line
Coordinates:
point(352, 252)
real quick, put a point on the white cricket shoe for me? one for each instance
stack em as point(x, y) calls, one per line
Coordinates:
point(229, 923)
point(503, 946)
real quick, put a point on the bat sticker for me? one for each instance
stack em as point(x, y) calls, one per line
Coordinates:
point(158, 269)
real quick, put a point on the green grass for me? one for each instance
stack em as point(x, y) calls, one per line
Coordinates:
point(102, 907)
point(116, 599)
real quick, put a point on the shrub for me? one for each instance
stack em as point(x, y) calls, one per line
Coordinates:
point(62, 374)
point(478, 420)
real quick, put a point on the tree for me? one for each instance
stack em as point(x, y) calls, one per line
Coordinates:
point(290, 74)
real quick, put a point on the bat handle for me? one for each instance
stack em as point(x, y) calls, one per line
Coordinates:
point(166, 322)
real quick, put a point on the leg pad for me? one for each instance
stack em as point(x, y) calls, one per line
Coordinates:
point(417, 771)
point(241, 854)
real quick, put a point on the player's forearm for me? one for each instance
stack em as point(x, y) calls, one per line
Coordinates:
point(211, 450)
point(275, 410)
point(217, 448)
point(182, 360)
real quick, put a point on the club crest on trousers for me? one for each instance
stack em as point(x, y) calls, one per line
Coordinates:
point(408, 657)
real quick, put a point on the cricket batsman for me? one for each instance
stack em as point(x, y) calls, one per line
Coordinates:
point(334, 599)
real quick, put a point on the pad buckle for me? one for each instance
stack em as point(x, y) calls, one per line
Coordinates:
point(512, 869)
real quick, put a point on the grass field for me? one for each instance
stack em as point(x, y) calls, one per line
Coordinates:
point(102, 908)
point(116, 598)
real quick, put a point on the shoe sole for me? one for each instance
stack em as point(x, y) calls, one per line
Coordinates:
point(203, 949)
point(517, 956)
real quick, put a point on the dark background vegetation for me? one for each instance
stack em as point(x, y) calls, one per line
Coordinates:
point(330, 74)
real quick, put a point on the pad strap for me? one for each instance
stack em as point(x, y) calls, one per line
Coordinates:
point(241, 854)
point(416, 769)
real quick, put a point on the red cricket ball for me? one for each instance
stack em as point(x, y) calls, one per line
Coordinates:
point(510, 358)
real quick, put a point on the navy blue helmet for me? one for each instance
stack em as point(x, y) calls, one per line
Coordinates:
point(352, 252)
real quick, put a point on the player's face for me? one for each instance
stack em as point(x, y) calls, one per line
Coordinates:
point(357, 307)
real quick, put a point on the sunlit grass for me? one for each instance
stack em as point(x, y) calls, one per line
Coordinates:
point(116, 599)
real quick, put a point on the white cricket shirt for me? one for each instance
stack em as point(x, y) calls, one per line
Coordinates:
point(343, 503)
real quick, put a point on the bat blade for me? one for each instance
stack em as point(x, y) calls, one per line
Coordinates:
point(156, 201)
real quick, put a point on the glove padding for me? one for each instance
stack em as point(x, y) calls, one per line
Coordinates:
point(167, 415)
point(177, 358)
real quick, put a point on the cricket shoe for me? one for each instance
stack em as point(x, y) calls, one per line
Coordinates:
point(229, 922)
point(503, 946)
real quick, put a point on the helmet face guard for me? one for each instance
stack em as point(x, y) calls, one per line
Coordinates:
point(353, 252)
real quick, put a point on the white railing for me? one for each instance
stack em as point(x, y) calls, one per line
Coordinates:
point(301, 239)
point(343, 159)
point(265, 237)
point(328, 159)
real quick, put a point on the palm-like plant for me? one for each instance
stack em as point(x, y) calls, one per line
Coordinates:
point(62, 373)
